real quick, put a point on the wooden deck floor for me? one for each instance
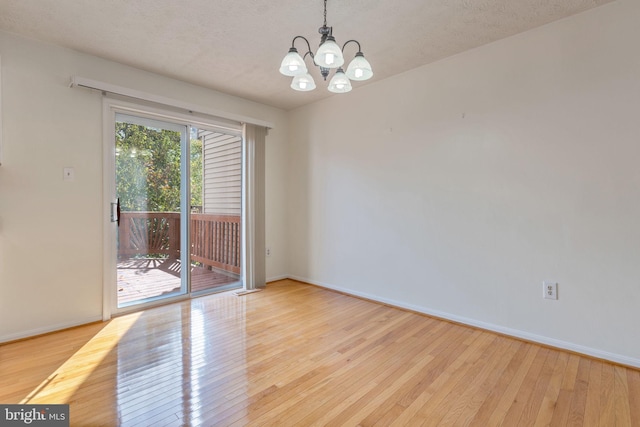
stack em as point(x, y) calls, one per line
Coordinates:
point(298, 355)
point(144, 278)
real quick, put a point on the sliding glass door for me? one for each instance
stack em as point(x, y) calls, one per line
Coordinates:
point(150, 192)
point(216, 209)
point(178, 191)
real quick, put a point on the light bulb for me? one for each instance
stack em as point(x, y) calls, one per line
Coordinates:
point(329, 54)
point(359, 68)
point(329, 58)
point(303, 82)
point(293, 64)
point(339, 83)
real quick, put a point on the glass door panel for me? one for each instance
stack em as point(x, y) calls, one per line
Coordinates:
point(151, 230)
point(216, 208)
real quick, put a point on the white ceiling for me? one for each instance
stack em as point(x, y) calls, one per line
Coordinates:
point(235, 46)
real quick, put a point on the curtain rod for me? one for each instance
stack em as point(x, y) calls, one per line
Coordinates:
point(77, 81)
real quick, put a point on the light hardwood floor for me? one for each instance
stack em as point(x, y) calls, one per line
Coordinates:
point(298, 355)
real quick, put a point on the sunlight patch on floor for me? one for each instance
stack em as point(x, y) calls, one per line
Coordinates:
point(61, 385)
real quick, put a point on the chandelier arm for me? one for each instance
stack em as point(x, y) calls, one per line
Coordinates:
point(323, 71)
point(305, 39)
point(351, 41)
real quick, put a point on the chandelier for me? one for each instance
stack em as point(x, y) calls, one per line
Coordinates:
point(328, 56)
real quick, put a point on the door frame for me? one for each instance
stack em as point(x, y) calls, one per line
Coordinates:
point(111, 106)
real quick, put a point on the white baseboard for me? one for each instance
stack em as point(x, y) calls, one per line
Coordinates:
point(552, 342)
point(276, 278)
point(45, 330)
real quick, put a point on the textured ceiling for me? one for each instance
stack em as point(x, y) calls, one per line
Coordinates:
point(235, 46)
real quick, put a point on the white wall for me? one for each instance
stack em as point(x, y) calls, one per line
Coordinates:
point(458, 187)
point(455, 188)
point(51, 230)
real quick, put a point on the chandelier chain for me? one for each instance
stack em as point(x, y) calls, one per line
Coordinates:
point(325, 13)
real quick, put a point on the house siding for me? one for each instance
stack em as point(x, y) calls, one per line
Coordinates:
point(222, 169)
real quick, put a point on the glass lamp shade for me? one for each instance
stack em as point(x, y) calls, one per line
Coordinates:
point(303, 83)
point(293, 64)
point(339, 83)
point(329, 54)
point(359, 68)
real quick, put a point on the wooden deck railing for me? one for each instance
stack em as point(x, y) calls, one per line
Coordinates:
point(215, 239)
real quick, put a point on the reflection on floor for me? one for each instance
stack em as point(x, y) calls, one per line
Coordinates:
point(143, 278)
point(301, 355)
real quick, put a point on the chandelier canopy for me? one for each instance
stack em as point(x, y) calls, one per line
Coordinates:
point(328, 56)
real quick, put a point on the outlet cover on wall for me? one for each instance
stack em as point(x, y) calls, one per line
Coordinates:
point(549, 290)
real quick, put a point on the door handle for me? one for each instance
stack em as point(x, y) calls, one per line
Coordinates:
point(115, 212)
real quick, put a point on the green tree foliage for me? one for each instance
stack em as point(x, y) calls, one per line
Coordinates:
point(148, 168)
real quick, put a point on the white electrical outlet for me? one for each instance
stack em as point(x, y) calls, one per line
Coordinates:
point(268, 251)
point(550, 290)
